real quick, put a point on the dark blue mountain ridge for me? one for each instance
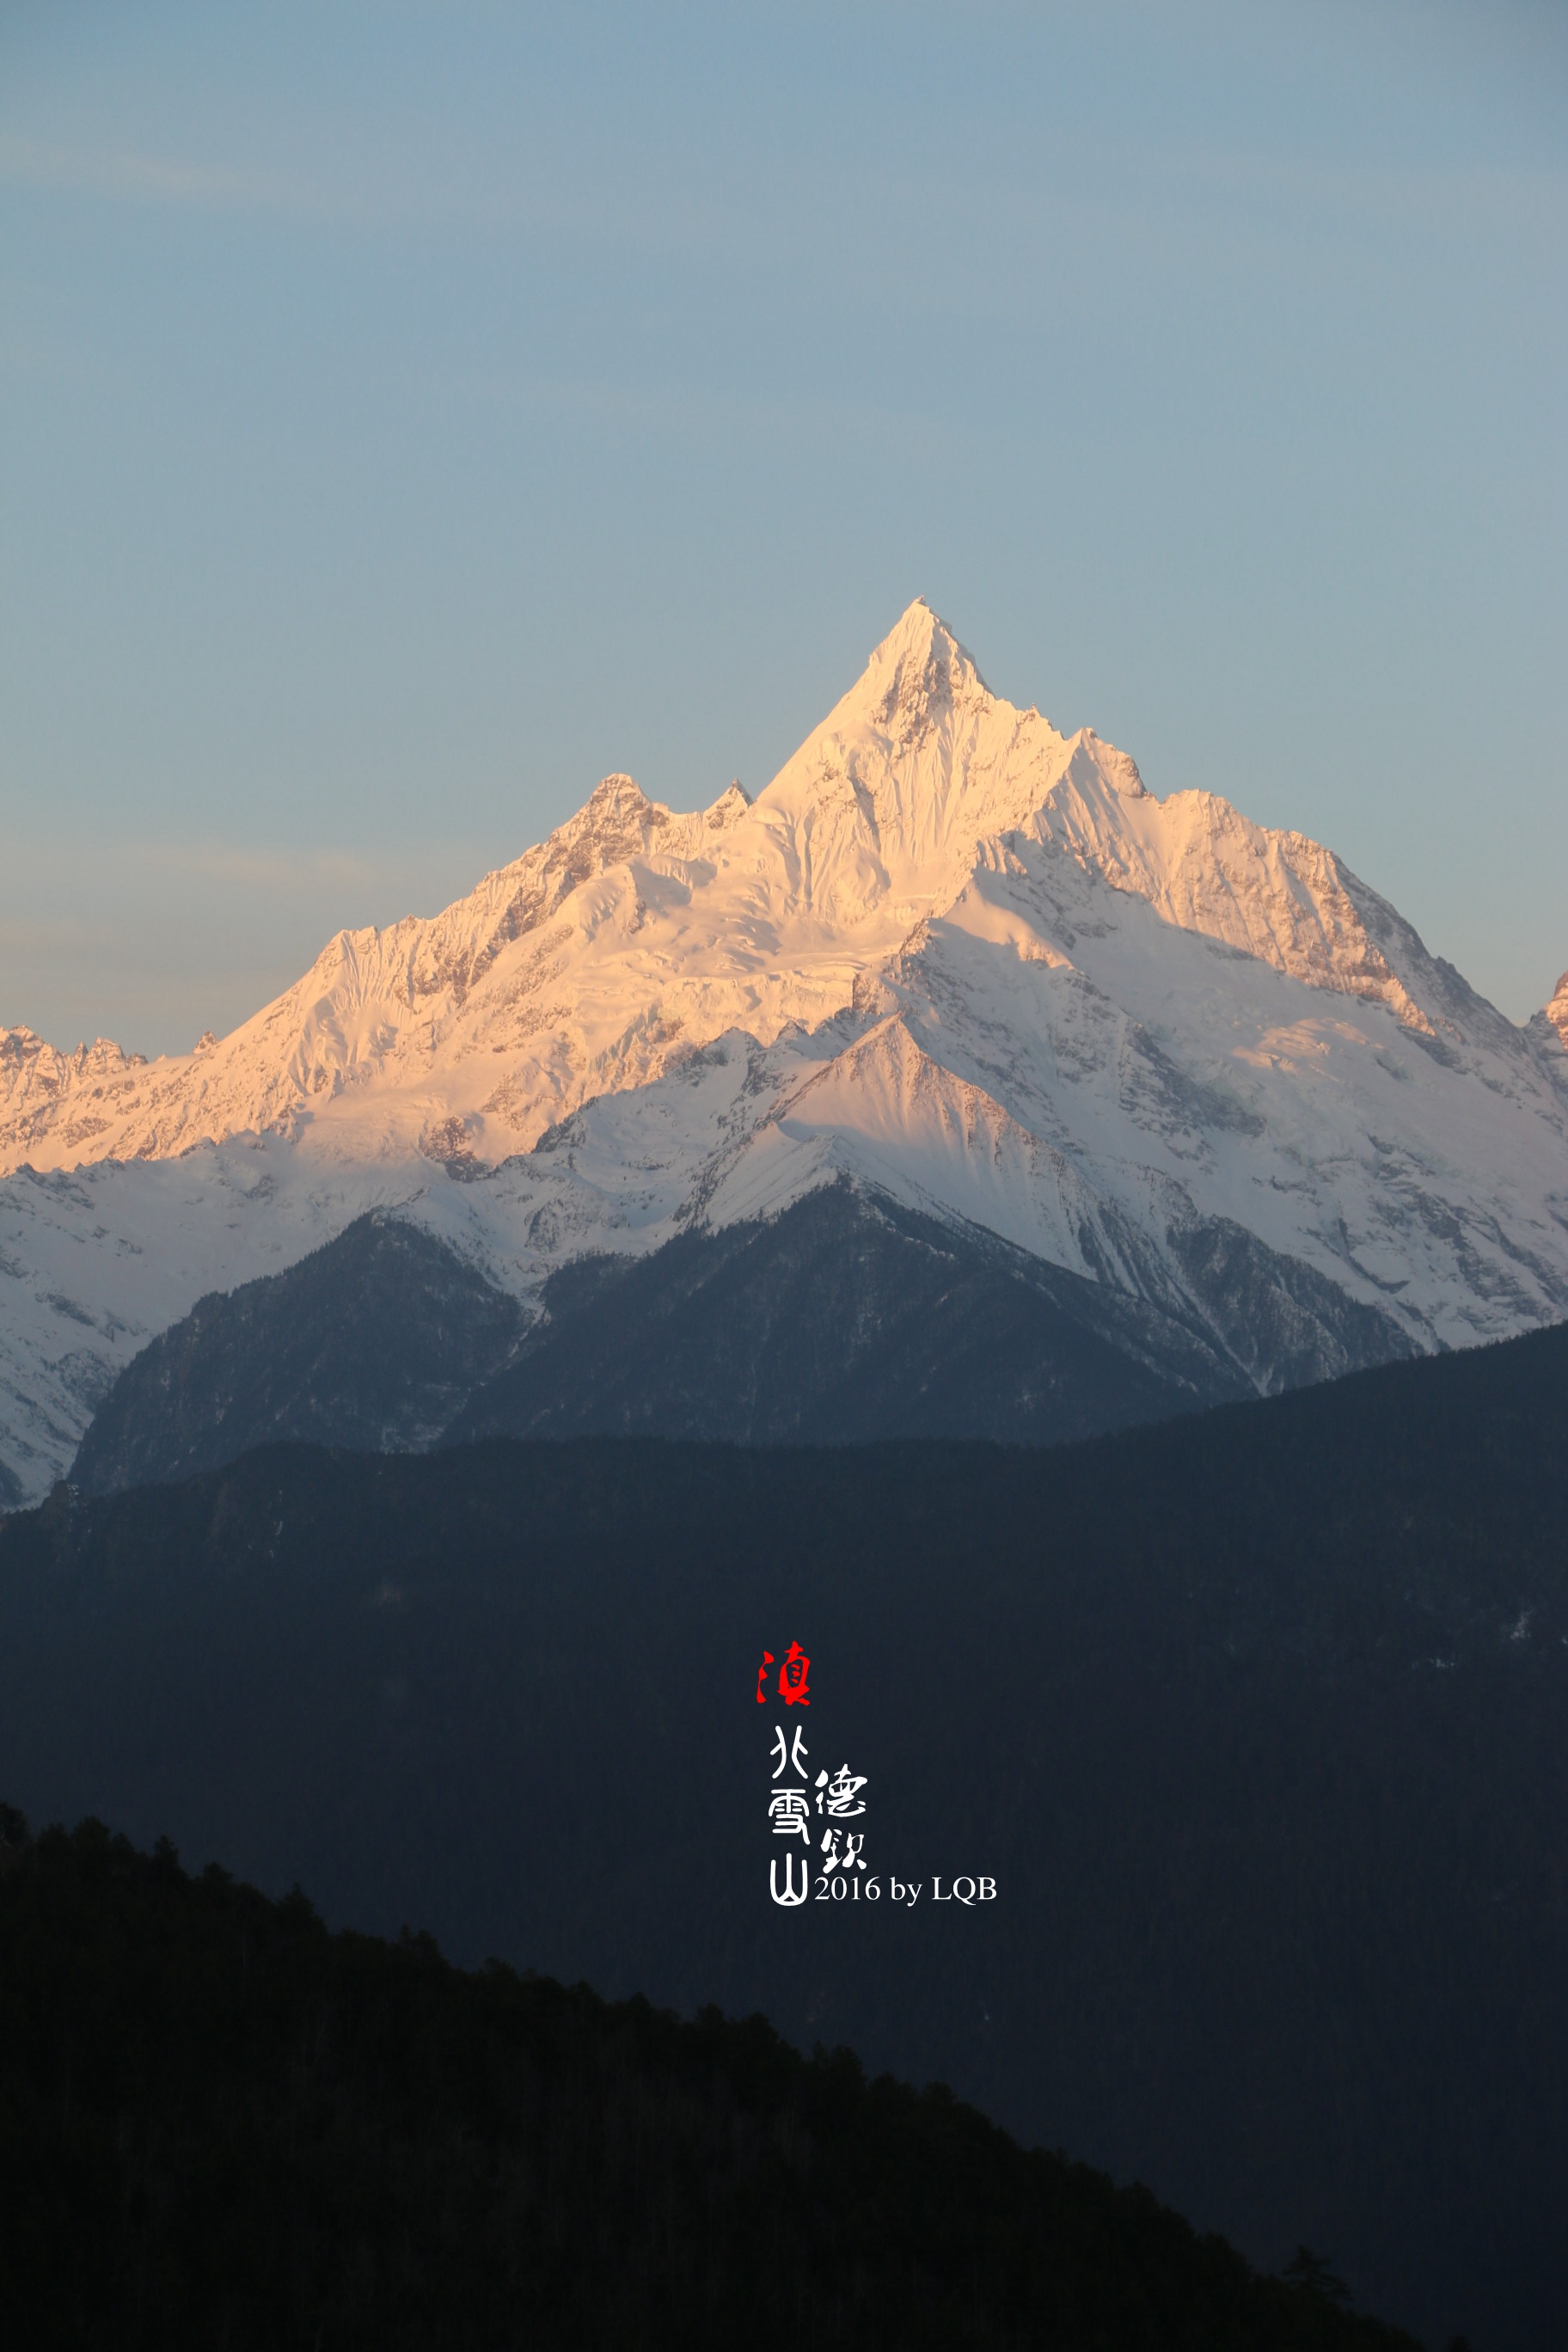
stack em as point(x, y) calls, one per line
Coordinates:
point(845, 1319)
point(1256, 1715)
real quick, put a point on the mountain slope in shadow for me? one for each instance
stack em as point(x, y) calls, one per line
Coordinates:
point(844, 1319)
point(1257, 1718)
point(224, 2125)
point(372, 1342)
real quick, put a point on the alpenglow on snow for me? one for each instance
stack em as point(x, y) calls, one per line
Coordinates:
point(949, 958)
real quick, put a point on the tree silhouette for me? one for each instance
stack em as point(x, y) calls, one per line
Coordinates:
point(1310, 2271)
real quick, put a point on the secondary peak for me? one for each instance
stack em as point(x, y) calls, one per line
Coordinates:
point(1557, 1010)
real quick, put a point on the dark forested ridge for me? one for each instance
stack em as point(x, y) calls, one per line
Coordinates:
point(373, 1341)
point(1257, 1718)
point(850, 1318)
point(844, 1320)
point(220, 2124)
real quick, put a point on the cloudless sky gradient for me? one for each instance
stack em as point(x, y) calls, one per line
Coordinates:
point(409, 413)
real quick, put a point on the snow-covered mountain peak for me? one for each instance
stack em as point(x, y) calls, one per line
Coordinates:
point(948, 953)
point(633, 935)
point(1557, 1010)
point(919, 666)
point(882, 810)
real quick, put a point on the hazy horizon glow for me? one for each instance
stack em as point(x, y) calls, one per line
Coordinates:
point(413, 412)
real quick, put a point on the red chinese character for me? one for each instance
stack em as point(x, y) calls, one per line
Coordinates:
point(762, 1670)
point(792, 1676)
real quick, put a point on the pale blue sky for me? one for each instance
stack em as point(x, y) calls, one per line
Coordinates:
point(410, 413)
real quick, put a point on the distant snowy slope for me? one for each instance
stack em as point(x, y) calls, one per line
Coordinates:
point(967, 963)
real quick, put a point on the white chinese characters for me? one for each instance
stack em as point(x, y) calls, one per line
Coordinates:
point(850, 1857)
point(790, 1814)
point(838, 1798)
